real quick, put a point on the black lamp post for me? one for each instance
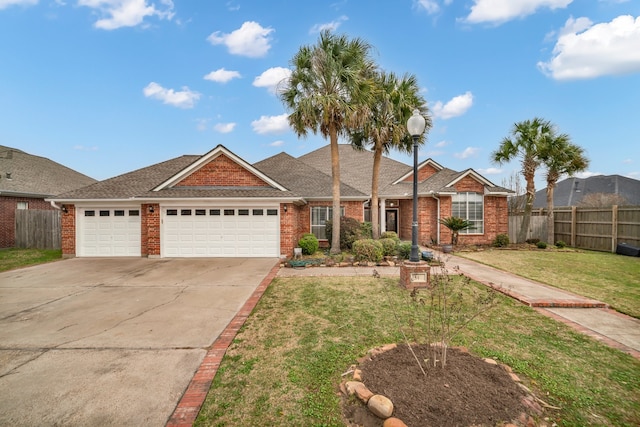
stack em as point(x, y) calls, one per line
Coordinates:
point(415, 126)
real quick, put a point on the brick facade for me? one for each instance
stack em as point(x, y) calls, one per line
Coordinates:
point(150, 229)
point(423, 173)
point(222, 171)
point(69, 231)
point(8, 206)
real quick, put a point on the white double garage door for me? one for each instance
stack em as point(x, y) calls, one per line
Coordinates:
point(184, 231)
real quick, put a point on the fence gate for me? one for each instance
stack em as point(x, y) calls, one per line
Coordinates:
point(39, 229)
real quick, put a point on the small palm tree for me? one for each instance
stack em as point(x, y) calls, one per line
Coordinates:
point(456, 225)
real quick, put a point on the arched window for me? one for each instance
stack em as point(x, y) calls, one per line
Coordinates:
point(469, 206)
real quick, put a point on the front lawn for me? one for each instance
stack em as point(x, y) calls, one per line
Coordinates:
point(15, 258)
point(610, 278)
point(285, 365)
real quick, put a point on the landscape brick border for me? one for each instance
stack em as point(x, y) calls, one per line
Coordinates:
point(189, 406)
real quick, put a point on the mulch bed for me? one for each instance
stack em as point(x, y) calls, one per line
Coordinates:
point(467, 392)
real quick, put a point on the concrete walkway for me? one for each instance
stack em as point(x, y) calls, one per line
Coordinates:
point(586, 315)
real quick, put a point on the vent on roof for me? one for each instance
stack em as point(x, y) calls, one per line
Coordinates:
point(9, 175)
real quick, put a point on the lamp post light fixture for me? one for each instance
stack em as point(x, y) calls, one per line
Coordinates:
point(415, 126)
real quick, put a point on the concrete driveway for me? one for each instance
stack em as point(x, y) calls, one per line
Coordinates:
point(112, 341)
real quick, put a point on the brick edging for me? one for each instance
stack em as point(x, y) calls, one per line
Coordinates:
point(189, 405)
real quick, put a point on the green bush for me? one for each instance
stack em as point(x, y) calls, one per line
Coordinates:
point(541, 245)
point(309, 244)
point(404, 250)
point(560, 244)
point(501, 241)
point(350, 231)
point(366, 230)
point(390, 235)
point(388, 246)
point(368, 250)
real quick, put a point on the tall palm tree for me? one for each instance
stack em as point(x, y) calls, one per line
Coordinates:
point(393, 102)
point(561, 157)
point(328, 92)
point(525, 142)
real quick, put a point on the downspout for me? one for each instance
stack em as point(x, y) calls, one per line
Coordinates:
point(437, 217)
point(53, 204)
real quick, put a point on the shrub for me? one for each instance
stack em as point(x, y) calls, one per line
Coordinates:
point(309, 244)
point(404, 250)
point(388, 246)
point(366, 230)
point(350, 231)
point(532, 241)
point(501, 241)
point(560, 244)
point(390, 235)
point(541, 245)
point(367, 250)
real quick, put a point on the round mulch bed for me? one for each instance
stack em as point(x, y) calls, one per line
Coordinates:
point(467, 392)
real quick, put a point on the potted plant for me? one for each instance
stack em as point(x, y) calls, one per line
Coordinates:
point(456, 225)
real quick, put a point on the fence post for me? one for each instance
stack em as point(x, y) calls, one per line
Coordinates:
point(573, 226)
point(614, 228)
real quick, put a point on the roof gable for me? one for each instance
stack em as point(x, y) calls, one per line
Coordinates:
point(426, 169)
point(471, 174)
point(219, 168)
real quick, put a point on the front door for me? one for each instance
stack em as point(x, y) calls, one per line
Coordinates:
point(391, 220)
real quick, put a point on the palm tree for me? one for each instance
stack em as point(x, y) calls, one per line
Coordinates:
point(328, 92)
point(525, 141)
point(561, 157)
point(385, 129)
point(456, 225)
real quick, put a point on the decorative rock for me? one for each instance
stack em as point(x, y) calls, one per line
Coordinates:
point(530, 403)
point(357, 375)
point(393, 422)
point(360, 390)
point(490, 361)
point(514, 377)
point(380, 406)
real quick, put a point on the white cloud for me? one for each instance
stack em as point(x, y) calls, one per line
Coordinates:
point(587, 174)
point(331, 26)
point(468, 152)
point(441, 144)
point(181, 99)
point(500, 11)
point(457, 106)
point(251, 40)
point(271, 124)
point(222, 76)
point(627, 161)
point(127, 13)
point(271, 78)
point(490, 171)
point(224, 127)
point(585, 51)
point(6, 3)
point(277, 143)
point(431, 6)
point(202, 124)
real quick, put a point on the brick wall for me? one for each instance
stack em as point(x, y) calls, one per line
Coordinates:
point(427, 220)
point(150, 230)
point(8, 206)
point(468, 184)
point(69, 231)
point(423, 173)
point(222, 171)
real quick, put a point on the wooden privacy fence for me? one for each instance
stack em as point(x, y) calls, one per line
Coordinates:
point(39, 229)
point(599, 229)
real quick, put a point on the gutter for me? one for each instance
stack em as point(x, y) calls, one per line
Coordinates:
point(437, 216)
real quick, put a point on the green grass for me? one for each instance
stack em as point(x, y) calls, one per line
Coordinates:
point(285, 365)
point(16, 258)
point(607, 277)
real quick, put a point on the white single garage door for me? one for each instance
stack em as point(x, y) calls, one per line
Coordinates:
point(220, 232)
point(108, 231)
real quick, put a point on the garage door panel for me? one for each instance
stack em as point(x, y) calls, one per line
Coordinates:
point(101, 233)
point(221, 232)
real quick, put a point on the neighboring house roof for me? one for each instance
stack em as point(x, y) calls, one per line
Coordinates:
point(281, 176)
point(26, 175)
point(571, 191)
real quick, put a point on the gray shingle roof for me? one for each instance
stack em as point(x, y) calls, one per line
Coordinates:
point(36, 176)
point(301, 178)
point(571, 191)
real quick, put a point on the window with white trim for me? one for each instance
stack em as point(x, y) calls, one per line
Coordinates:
point(319, 217)
point(22, 205)
point(469, 206)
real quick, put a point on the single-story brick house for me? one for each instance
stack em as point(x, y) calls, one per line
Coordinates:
point(218, 205)
point(25, 181)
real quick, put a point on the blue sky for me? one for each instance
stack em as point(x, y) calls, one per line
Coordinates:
point(109, 86)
